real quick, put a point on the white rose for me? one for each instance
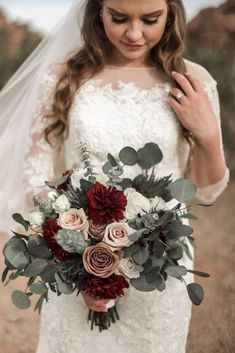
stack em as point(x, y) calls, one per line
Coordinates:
point(36, 220)
point(158, 203)
point(127, 268)
point(76, 177)
point(74, 219)
point(52, 196)
point(116, 234)
point(61, 204)
point(136, 203)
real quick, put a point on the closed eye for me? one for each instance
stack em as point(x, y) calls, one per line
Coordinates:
point(123, 20)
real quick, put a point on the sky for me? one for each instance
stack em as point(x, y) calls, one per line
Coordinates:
point(44, 14)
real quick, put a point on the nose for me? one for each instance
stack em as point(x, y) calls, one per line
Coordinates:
point(134, 32)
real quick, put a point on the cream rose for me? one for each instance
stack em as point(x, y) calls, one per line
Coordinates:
point(74, 219)
point(36, 220)
point(136, 203)
point(61, 204)
point(127, 268)
point(52, 196)
point(100, 260)
point(116, 234)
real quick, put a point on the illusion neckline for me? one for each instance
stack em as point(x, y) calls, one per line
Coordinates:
point(130, 67)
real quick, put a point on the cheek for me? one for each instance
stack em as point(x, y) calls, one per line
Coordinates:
point(113, 32)
point(156, 34)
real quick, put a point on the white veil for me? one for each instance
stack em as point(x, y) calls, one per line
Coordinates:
point(18, 100)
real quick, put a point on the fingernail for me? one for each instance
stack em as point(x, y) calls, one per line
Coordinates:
point(173, 72)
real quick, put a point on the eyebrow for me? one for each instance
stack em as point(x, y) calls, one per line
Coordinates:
point(147, 14)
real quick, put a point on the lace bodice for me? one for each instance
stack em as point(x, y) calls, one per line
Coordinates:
point(118, 107)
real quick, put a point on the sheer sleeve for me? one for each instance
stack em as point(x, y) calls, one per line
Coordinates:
point(210, 193)
point(39, 164)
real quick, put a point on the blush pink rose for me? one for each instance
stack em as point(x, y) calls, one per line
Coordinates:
point(74, 219)
point(116, 234)
point(100, 260)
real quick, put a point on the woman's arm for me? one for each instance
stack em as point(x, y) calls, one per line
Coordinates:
point(199, 112)
point(207, 165)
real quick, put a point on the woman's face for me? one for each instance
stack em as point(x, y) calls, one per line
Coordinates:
point(140, 22)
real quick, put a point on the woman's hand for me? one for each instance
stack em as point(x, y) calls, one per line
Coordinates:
point(194, 109)
point(98, 305)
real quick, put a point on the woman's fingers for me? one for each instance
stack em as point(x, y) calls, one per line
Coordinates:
point(184, 83)
point(178, 95)
point(194, 82)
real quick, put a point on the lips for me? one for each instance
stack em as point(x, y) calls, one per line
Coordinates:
point(133, 45)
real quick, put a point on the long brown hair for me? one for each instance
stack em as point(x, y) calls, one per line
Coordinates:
point(90, 59)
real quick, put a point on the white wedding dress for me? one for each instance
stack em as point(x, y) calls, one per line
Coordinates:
point(116, 108)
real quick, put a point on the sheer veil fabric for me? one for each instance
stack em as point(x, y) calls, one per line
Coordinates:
point(18, 102)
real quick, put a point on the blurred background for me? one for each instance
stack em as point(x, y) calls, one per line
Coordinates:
point(210, 42)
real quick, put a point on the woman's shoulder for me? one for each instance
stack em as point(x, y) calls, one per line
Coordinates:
point(200, 72)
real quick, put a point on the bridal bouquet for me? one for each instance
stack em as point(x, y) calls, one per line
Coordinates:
point(100, 238)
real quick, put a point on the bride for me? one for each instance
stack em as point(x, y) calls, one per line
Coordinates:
point(112, 74)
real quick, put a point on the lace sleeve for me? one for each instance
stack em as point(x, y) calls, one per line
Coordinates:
point(210, 193)
point(40, 156)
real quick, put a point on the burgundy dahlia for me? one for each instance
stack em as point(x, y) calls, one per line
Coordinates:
point(105, 205)
point(106, 288)
point(50, 228)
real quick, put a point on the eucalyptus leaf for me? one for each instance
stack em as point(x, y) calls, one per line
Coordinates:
point(143, 285)
point(16, 242)
point(20, 299)
point(112, 160)
point(38, 288)
point(128, 156)
point(165, 218)
point(35, 268)
point(156, 262)
point(9, 265)
point(38, 248)
point(107, 168)
point(128, 251)
point(39, 304)
point(177, 229)
point(176, 271)
point(142, 255)
point(136, 235)
point(149, 155)
point(19, 219)
point(189, 216)
point(17, 257)
point(126, 183)
point(86, 185)
point(4, 274)
point(183, 190)
point(199, 273)
point(15, 275)
point(175, 253)
point(158, 248)
point(63, 287)
point(196, 293)
point(48, 274)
